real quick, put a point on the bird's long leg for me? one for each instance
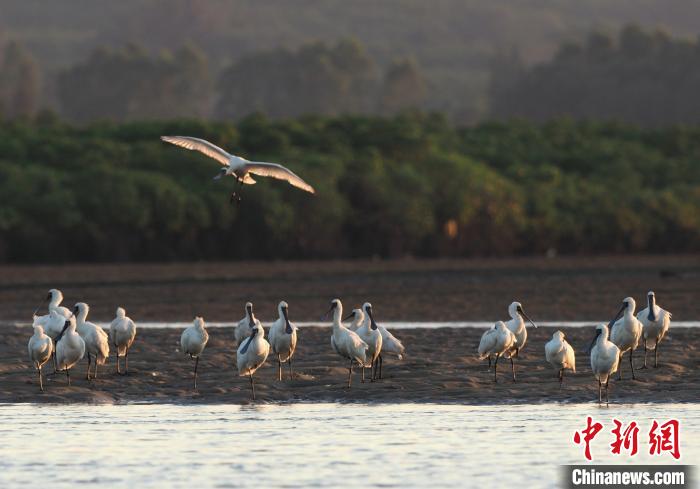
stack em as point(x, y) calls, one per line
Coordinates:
point(88, 369)
point(55, 362)
point(373, 370)
point(561, 377)
point(350, 374)
point(41, 382)
point(489, 362)
point(291, 373)
point(94, 373)
point(656, 354)
point(68, 376)
point(252, 385)
point(645, 354)
point(631, 364)
point(495, 367)
point(600, 394)
point(116, 356)
point(279, 367)
point(619, 370)
point(126, 361)
point(381, 362)
point(512, 367)
point(196, 363)
point(363, 372)
point(607, 389)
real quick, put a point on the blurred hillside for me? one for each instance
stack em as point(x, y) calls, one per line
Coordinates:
point(217, 58)
point(411, 185)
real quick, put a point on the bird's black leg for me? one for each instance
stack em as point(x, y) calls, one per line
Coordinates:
point(489, 362)
point(252, 385)
point(116, 354)
point(196, 363)
point(41, 382)
point(126, 362)
point(512, 367)
point(619, 370)
point(68, 376)
point(600, 394)
point(656, 354)
point(291, 374)
point(495, 368)
point(87, 376)
point(561, 377)
point(645, 354)
point(631, 364)
point(350, 374)
point(279, 367)
point(381, 362)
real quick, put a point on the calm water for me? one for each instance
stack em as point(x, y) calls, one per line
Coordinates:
point(312, 445)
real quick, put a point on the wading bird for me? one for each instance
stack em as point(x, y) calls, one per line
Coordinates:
point(54, 321)
point(625, 331)
point(96, 340)
point(283, 339)
point(243, 327)
point(238, 167)
point(370, 334)
point(252, 353)
point(122, 331)
point(560, 355)
point(344, 342)
point(516, 325)
point(390, 344)
point(497, 341)
point(655, 323)
point(484, 345)
point(605, 359)
point(358, 319)
point(40, 348)
point(193, 340)
point(70, 347)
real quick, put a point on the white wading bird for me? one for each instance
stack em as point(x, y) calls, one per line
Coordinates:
point(344, 342)
point(70, 347)
point(496, 341)
point(252, 353)
point(193, 340)
point(96, 340)
point(625, 331)
point(390, 344)
point(605, 359)
point(40, 348)
point(283, 339)
point(370, 334)
point(238, 167)
point(655, 323)
point(122, 332)
point(516, 325)
point(358, 319)
point(243, 328)
point(560, 354)
point(54, 321)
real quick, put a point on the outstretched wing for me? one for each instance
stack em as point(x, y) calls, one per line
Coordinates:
point(196, 144)
point(278, 171)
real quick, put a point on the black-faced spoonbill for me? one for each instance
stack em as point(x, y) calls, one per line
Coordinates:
point(605, 359)
point(40, 348)
point(96, 340)
point(243, 327)
point(655, 323)
point(496, 341)
point(517, 326)
point(390, 344)
point(252, 353)
point(193, 340)
point(283, 339)
point(344, 342)
point(122, 332)
point(625, 331)
point(70, 347)
point(54, 321)
point(560, 355)
point(370, 334)
point(358, 319)
point(238, 167)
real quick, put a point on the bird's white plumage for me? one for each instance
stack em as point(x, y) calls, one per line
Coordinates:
point(358, 319)
point(122, 331)
point(70, 348)
point(243, 327)
point(370, 334)
point(496, 341)
point(516, 325)
point(40, 347)
point(253, 352)
point(344, 342)
point(559, 352)
point(54, 321)
point(627, 330)
point(194, 338)
point(655, 322)
point(283, 343)
point(275, 170)
point(96, 340)
point(390, 343)
point(605, 356)
point(205, 147)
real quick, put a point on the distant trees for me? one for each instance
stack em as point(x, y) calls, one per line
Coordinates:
point(19, 82)
point(641, 76)
point(413, 184)
point(129, 84)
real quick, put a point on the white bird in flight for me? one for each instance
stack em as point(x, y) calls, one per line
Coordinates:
point(239, 167)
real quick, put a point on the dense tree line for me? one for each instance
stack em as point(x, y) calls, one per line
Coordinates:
point(408, 185)
point(645, 77)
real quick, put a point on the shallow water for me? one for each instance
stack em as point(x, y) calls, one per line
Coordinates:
point(314, 445)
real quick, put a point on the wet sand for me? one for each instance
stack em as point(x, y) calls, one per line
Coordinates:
point(566, 288)
point(440, 366)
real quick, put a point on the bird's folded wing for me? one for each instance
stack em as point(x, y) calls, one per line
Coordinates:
point(278, 171)
point(196, 144)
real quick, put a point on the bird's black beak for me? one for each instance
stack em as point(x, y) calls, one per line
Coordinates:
point(352, 314)
point(618, 315)
point(371, 318)
point(46, 299)
point(520, 310)
point(288, 328)
point(329, 311)
point(60, 335)
point(595, 338)
point(249, 340)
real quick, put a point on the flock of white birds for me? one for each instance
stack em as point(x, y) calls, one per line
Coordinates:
point(361, 343)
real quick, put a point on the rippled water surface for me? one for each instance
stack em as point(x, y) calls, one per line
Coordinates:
point(313, 445)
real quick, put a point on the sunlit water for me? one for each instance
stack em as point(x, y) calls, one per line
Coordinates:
point(314, 445)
